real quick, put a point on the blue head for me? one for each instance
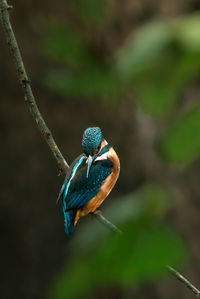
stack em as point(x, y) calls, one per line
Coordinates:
point(91, 143)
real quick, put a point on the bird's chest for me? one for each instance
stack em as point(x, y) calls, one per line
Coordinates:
point(104, 179)
point(98, 174)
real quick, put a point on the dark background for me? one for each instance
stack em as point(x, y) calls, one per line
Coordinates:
point(132, 68)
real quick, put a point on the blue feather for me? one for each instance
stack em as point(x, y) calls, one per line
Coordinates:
point(83, 189)
point(73, 174)
point(92, 139)
point(69, 215)
point(78, 188)
point(69, 174)
point(69, 221)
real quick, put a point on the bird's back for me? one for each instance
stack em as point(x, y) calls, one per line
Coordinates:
point(78, 190)
point(89, 179)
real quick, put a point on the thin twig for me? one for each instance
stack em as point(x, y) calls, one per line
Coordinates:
point(28, 94)
point(46, 133)
point(107, 223)
point(186, 282)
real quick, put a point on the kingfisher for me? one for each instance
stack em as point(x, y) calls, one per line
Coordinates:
point(89, 179)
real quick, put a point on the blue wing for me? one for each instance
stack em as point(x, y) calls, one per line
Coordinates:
point(77, 190)
point(69, 176)
point(83, 189)
point(69, 221)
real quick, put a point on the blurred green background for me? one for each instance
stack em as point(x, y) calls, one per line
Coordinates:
point(132, 68)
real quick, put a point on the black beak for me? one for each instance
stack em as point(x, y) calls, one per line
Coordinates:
point(90, 160)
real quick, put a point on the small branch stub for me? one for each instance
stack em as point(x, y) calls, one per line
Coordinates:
point(5, 6)
point(186, 282)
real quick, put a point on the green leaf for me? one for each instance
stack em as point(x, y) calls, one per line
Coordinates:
point(140, 254)
point(181, 143)
point(98, 257)
point(160, 89)
point(63, 44)
point(187, 32)
point(142, 48)
point(73, 282)
point(94, 82)
point(160, 59)
point(150, 203)
point(93, 11)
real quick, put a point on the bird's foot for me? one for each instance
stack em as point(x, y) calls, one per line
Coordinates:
point(97, 212)
point(60, 172)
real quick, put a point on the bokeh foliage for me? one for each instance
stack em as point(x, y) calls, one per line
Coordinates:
point(138, 256)
point(154, 67)
point(131, 67)
point(99, 257)
point(157, 62)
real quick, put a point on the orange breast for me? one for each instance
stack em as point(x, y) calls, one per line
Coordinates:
point(109, 183)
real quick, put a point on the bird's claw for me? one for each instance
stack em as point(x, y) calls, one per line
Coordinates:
point(97, 212)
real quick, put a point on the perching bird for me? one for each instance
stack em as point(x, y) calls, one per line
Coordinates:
point(89, 179)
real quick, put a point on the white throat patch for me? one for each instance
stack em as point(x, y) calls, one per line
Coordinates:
point(102, 157)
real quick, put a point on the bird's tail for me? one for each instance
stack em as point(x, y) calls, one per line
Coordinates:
point(69, 221)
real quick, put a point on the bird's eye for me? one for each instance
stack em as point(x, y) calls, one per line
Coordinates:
point(97, 150)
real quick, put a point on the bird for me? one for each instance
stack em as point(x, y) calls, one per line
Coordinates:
point(89, 179)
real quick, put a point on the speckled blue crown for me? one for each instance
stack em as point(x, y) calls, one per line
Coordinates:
point(92, 138)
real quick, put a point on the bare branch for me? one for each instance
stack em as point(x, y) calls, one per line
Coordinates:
point(28, 94)
point(30, 99)
point(186, 282)
point(46, 133)
point(107, 223)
